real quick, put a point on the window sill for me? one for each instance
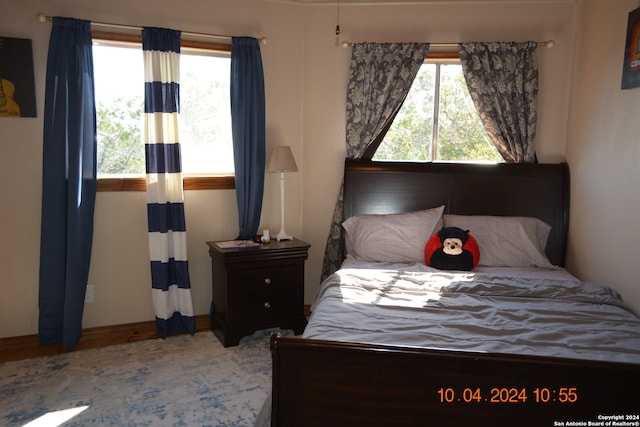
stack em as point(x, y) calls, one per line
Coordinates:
point(189, 183)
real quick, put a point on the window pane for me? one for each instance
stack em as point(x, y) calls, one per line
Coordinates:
point(119, 101)
point(461, 135)
point(409, 137)
point(205, 112)
point(205, 115)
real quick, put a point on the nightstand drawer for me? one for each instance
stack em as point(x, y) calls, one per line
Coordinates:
point(260, 279)
point(267, 305)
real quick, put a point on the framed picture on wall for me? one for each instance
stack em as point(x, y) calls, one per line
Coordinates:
point(631, 66)
point(17, 87)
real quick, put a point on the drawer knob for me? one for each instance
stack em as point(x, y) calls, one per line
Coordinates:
point(267, 280)
point(267, 305)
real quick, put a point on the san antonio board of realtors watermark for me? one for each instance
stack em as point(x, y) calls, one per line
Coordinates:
point(626, 420)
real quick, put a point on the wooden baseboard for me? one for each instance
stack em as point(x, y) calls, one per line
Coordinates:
point(24, 347)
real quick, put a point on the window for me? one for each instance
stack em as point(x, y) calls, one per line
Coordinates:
point(205, 114)
point(438, 121)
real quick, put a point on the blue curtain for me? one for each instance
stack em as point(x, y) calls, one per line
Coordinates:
point(171, 287)
point(248, 127)
point(68, 182)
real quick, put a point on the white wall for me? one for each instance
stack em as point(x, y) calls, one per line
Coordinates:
point(305, 77)
point(603, 152)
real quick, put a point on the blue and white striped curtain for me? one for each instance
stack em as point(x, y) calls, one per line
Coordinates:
point(171, 287)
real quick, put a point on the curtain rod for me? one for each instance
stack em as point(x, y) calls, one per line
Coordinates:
point(548, 44)
point(45, 18)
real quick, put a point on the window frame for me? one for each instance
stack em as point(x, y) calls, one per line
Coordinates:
point(191, 182)
point(438, 55)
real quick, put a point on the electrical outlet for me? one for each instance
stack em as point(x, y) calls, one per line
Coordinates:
point(88, 296)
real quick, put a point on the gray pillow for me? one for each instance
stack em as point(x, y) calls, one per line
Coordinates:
point(391, 237)
point(506, 241)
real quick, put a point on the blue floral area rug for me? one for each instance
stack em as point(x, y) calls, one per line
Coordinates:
point(183, 380)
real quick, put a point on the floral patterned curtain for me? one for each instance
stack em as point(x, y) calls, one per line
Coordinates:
point(380, 77)
point(503, 82)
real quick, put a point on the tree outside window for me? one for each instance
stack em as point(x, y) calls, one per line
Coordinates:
point(438, 121)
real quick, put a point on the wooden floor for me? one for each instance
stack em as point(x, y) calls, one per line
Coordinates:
point(25, 347)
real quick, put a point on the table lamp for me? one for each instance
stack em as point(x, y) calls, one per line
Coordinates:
point(281, 160)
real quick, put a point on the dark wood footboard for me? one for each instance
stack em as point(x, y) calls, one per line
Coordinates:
point(325, 383)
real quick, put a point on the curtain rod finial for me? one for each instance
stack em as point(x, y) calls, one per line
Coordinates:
point(550, 44)
point(263, 40)
point(42, 17)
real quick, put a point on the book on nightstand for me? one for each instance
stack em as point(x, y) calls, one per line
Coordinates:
point(238, 244)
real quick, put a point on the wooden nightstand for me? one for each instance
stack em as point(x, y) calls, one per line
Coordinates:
point(257, 288)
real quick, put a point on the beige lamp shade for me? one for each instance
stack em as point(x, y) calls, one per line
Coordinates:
point(281, 160)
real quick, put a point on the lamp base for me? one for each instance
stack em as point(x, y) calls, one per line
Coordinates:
point(283, 236)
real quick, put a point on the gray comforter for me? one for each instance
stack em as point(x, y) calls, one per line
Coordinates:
point(523, 311)
point(545, 312)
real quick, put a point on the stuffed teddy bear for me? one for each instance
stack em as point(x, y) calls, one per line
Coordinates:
point(452, 248)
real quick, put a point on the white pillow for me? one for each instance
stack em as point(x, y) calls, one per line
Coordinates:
point(506, 241)
point(391, 237)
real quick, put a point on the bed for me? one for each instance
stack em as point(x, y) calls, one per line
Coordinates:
point(515, 341)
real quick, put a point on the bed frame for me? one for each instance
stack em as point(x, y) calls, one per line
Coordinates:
point(328, 383)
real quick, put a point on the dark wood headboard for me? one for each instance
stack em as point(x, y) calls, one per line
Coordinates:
point(535, 190)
